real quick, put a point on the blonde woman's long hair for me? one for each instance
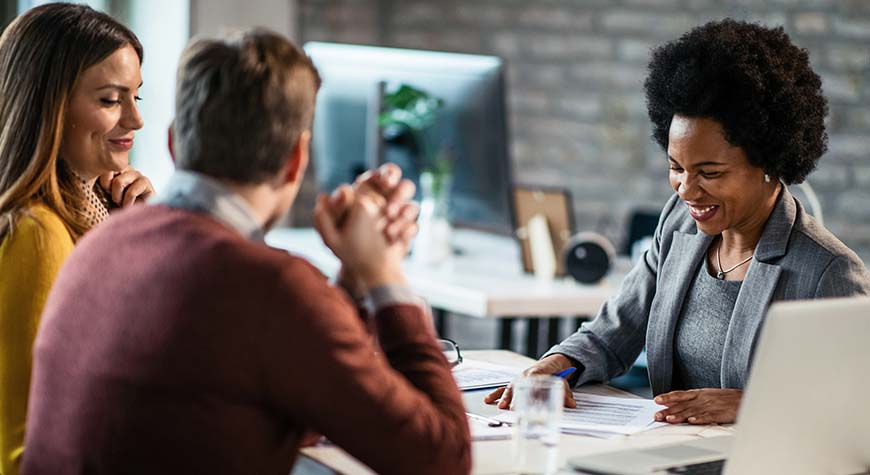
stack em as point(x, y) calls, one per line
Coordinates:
point(43, 53)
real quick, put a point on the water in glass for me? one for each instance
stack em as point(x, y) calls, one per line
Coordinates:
point(538, 402)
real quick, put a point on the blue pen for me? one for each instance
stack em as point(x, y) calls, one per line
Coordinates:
point(565, 373)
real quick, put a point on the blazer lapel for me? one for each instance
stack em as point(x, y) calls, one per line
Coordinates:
point(686, 253)
point(756, 293)
point(746, 319)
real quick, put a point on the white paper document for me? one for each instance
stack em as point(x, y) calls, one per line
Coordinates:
point(611, 414)
point(604, 414)
point(472, 374)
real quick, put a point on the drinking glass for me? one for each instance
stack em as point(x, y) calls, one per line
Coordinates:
point(538, 403)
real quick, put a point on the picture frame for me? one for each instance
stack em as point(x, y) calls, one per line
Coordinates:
point(554, 204)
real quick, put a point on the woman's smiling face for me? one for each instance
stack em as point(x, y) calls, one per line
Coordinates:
point(102, 115)
point(714, 178)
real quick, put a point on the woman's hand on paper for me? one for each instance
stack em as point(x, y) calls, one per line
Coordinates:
point(699, 406)
point(549, 365)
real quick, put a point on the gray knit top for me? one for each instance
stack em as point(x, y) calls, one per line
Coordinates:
point(701, 329)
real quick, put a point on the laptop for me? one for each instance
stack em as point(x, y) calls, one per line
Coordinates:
point(806, 409)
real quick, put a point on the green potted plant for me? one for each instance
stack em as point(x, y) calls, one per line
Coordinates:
point(407, 114)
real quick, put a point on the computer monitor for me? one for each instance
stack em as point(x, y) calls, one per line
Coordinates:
point(471, 126)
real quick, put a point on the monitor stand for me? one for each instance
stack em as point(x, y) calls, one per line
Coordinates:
point(374, 134)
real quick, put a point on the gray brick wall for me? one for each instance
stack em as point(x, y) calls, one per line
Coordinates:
point(576, 68)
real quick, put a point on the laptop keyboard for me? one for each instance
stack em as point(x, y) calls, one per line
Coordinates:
point(706, 468)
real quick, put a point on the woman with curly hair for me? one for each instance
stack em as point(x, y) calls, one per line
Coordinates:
point(69, 80)
point(740, 113)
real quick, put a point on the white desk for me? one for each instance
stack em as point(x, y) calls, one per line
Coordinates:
point(484, 280)
point(492, 457)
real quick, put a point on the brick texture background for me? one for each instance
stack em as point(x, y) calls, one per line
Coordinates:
point(575, 74)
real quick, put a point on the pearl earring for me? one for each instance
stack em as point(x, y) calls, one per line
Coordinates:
point(766, 178)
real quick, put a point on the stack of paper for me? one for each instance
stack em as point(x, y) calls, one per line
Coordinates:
point(472, 374)
point(604, 416)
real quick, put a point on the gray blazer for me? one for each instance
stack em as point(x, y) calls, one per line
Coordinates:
point(796, 258)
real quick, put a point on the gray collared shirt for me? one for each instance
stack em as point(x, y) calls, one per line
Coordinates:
point(202, 194)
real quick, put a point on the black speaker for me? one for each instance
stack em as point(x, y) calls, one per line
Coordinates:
point(587, 257)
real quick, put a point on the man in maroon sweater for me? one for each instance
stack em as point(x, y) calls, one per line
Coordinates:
point(176, 341)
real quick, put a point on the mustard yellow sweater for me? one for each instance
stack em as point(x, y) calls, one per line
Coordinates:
point(30, 258)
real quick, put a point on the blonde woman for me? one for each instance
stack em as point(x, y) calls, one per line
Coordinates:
point(69, 79)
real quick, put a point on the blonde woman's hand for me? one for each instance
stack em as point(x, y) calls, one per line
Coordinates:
point(127, 187)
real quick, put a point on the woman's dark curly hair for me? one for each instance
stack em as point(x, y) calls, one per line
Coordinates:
point(752, 80)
